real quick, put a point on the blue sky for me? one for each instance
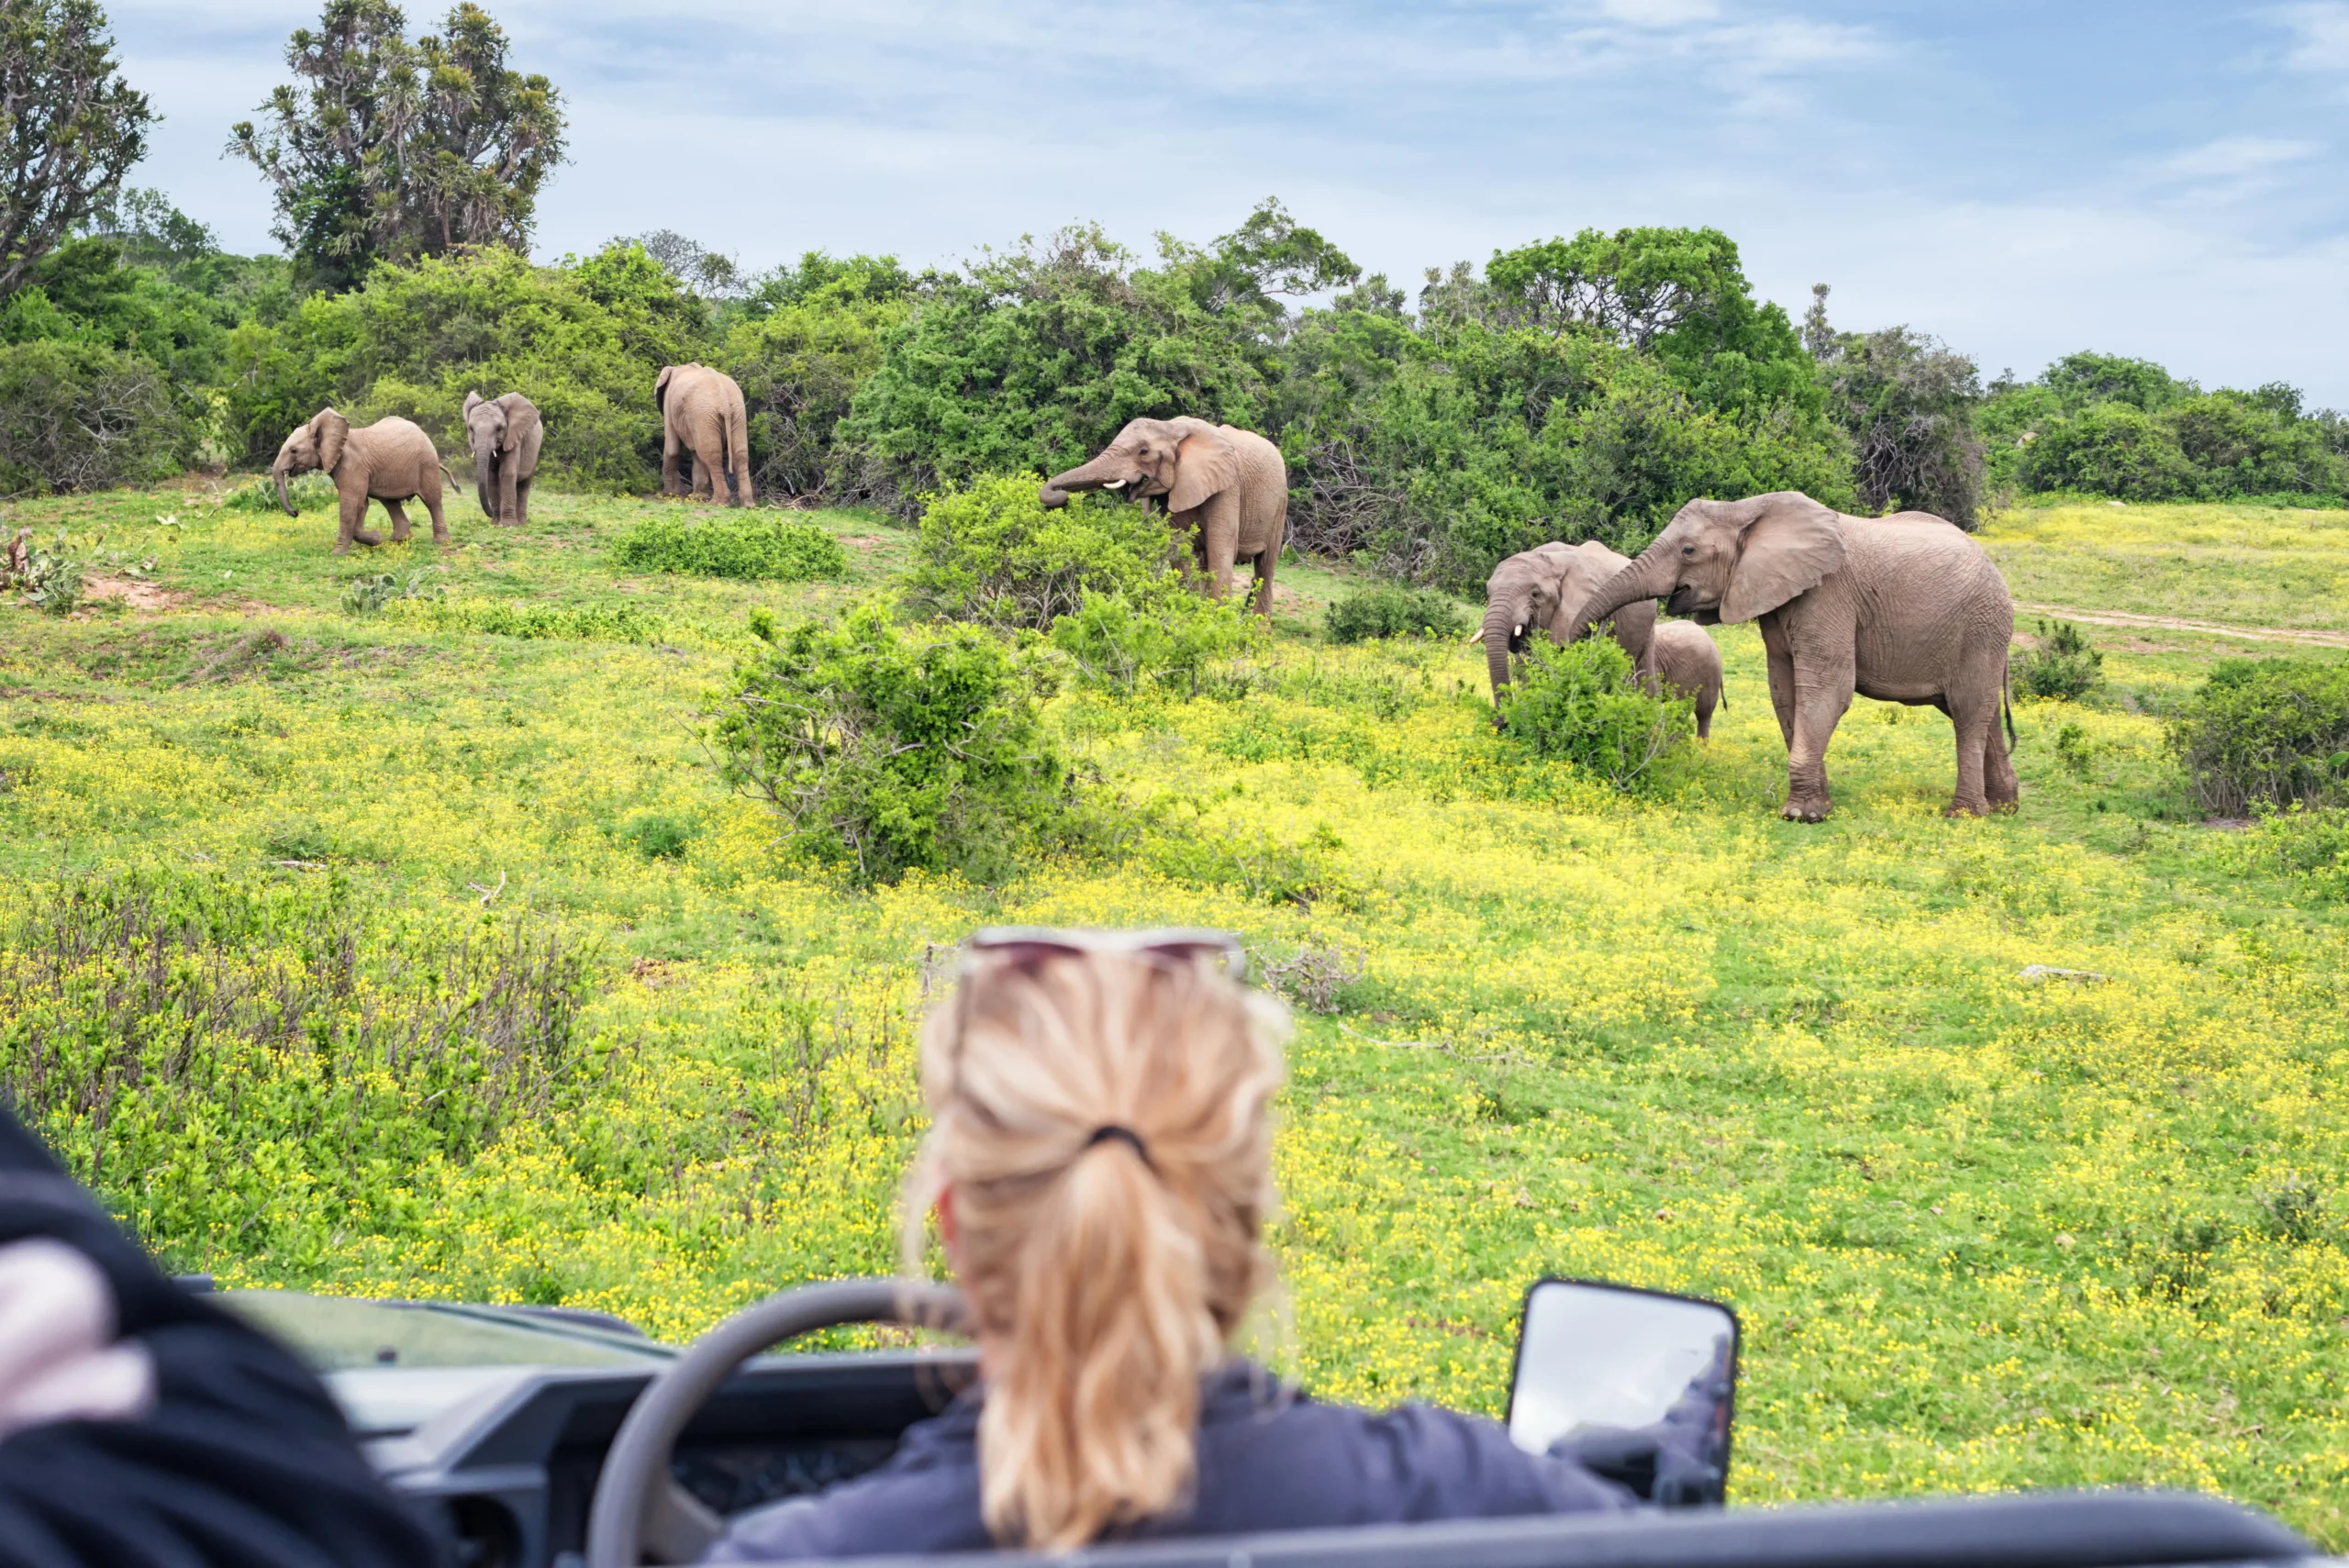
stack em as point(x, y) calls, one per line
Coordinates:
point(2154, 178)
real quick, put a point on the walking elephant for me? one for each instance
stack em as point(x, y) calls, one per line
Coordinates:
point(1903, 609)
point(505, 434)
point(1226, 484)
point(1540, 589)
point(1688, 662)
point(390, 460)
point(702, 412)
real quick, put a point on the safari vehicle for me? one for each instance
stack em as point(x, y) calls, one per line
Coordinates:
point(544, 1438)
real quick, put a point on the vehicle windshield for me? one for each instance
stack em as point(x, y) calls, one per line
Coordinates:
point(340, 1334)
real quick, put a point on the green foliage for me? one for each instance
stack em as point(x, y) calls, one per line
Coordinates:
point(1388, 610)
point(1168, 632)
point(757, 547)
point(82, 417)
point(401, 149)
point(2307, 844)
point(368, 593)
point(1584, 704)
point(2272, 731)
point(2111, 449)
point(888, 751)
point(2063, 668)
point(515, 617)
point(144, 1017)
point(51, 577)
point(992, 553)
point(658, 835)
point(810, 338)
point(1908, 405)
point(72, 126)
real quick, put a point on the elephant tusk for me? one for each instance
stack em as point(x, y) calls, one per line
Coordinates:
point(1477, 635)
point(1113, 484)
point(1518, 630)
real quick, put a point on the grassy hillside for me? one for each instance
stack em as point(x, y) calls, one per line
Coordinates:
point(572, 1029)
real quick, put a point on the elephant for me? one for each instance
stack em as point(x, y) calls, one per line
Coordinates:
point(388, 461)
point(1903, 609)
point(1541, 588)
point(1688, 662)
point(1226, 484)
point(505, 434)
point(702, 411)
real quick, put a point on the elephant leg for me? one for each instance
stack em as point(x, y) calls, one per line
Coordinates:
point(1822, 697)
point(709, 468)
point(1976, 723)
point(522, 503)
point(1781, 679)
point(1266, 559)
point(398, 514)
point(354, 512)
point(1704, 715)
point(431, 499)
point(509, 508)
point(1998, 783)
point(670, 483)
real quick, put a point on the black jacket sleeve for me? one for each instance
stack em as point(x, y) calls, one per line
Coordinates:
point(243, 1458)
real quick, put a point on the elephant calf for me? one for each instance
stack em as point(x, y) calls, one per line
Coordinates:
point(390, 460)
point(1227, 484)
point(1539, 590)
point(1688, 662)
point(1903, 609)
point(505, 434)
point(702, 412)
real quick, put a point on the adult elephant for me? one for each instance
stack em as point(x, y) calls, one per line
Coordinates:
point(390, 460)
point(1227, 484)
point(1903, 609)
point(1689, 662)
point(1539, 590)
point(505, 435)
point(702, 412)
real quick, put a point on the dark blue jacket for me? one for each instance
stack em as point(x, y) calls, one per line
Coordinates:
point(1267, 1460)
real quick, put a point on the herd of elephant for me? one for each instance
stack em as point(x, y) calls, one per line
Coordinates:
point(393, 462)
point(1903, 609)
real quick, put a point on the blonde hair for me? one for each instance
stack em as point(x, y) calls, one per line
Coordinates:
point(1113, 1266)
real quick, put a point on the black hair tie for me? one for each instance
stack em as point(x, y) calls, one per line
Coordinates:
point(1111, 1133)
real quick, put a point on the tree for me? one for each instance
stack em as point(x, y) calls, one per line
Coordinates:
point(398, 149)
point(72, 126)
point(1908, 403)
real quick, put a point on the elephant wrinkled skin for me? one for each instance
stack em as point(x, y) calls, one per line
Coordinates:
point(1226, 484)
point(702, 412)
point(390, 460)
point(1540, 589)
point(505, 435)
point(1903, 609)
point(1688, 662)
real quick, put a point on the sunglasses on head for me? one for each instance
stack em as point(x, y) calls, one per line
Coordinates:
point(1027, 945)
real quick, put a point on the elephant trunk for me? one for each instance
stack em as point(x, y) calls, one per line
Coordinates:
point(1101, 473)
point(285, 500)
point(1649, 576)
point(1501, 623)
point(1053, 499)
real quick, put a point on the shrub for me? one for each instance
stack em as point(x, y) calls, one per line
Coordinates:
point(993, 554)
point(2112, 449)
point(2063, 668)
point(2267, 730)
point(1585, 704)
point(50, 578)
point(1387, 611)
point(755, 547)
point(888, 751)
point(80, 416)
point(2310, 846)
point(368, 593)
point(578, 623)
point(1170, 633)
point(658, 836)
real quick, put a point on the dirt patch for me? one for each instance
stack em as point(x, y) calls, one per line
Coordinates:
point(2213, 628)
point(2138, 645)
point(655, 973)
point(148, 598)
point(2227, 824)
point(862, 542)
point(227, 660)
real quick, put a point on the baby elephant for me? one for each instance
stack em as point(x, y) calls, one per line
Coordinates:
point(505, 435)
point(389, 460)
point(1688, 662)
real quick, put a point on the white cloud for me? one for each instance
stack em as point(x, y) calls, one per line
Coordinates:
point(2322, 30)
point(2231, 157)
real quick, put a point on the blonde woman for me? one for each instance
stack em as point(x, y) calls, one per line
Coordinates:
point(1099, 1164)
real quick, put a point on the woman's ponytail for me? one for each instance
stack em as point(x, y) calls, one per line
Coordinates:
point(1102, 1121)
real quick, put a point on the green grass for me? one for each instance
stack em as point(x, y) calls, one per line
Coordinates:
point(2253, 566)
point(1983, 1231)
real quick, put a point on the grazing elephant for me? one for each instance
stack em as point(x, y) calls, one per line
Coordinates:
point(389, 460)
point(1227, 484)
point(505, 435)
point(702, 411)
point(1688, 662)
point(1903, 608)
point(1541, 588)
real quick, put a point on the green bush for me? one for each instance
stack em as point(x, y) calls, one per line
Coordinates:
point(2271, 731)
point(888, 751)
point(52, 578)
point(760, 547)
point(368, 593)
point(1387, 611)
point(514, 618)
point(1169, 634)
point(1585, 704)
point(82, 417)
point(2063, 668)
point(992, 554)
point(2307, 845)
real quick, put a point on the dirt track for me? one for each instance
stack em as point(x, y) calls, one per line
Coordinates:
point(2212, 628)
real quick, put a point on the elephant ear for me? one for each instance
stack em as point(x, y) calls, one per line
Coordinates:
point(661, 387)
point(1788, 545)
point(1205, 464)
point(328, 430)
point(521, 424)
point(473, 401)
point(1581, 569)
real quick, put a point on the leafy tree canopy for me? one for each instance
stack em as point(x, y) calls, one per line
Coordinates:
point(71, 126)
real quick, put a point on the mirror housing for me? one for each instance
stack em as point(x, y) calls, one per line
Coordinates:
point(1637, 1385)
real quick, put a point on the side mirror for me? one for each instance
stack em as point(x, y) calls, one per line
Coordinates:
point(1636, 1385)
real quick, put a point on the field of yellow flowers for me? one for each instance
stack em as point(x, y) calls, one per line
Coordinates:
point(464, 976)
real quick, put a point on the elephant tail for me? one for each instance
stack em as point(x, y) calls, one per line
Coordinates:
point(2007, 703)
